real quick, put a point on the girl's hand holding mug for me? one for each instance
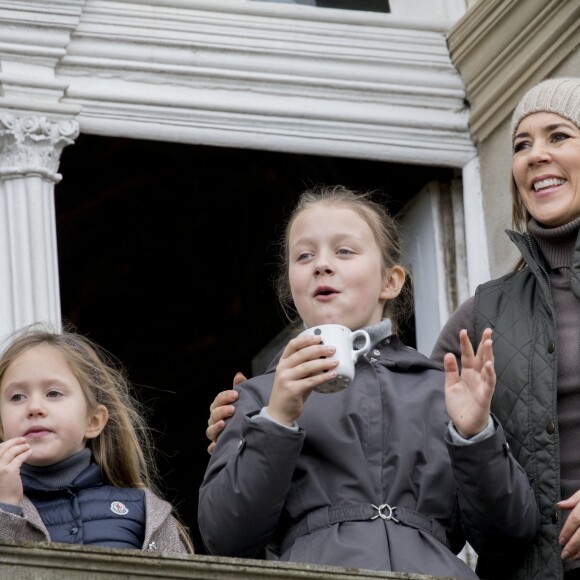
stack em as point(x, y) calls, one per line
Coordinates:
point(347, 354)
point(303, 366)
point(13, 453)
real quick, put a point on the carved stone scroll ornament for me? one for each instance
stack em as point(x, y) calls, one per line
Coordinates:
point(32, 145)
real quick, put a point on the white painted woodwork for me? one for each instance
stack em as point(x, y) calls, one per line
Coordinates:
point(246, 74)
point(229, 73)
point(478, 268)
point(445, 10)
point(434, 247)
point(30, 148)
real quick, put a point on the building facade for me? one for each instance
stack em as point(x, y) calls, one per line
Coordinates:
point(427, 83)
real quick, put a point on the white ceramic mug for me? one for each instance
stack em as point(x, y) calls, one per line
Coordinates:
point(342, 338)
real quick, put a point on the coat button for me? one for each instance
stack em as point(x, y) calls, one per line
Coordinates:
point(551, 346)
point(555, 517)
point(506, 448)
point(550, 427)
point(74, 531)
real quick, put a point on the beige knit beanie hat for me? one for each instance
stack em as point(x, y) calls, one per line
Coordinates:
point(560, 96)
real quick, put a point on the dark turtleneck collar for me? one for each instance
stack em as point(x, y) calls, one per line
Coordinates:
point(556, 244)
point(61, 474)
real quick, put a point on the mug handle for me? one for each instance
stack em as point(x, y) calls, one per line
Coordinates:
point(364, 349)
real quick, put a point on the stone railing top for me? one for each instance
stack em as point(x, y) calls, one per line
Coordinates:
point(48, 561)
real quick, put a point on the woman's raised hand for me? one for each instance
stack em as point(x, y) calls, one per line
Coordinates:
point(468, 395)
point(303, 366)
point(13, 453)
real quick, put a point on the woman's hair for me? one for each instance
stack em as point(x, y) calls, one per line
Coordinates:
point(385, 232)
point(520, 214)
point(123, 450)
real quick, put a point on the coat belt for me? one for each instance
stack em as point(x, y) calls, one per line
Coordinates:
point(326, 516)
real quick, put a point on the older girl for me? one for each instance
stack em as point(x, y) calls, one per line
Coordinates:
point(75, 457)
point(364, 477)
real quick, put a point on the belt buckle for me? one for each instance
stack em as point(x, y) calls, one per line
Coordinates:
point(380, 512)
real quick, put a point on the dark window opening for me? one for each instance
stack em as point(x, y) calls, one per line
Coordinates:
point(166, 257)
point(363, 5)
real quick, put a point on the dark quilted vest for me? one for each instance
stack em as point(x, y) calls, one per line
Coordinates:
point(90, 513)
point(518, 307)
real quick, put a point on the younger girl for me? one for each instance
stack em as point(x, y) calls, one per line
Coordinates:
point(74, 451)
point(366, 477)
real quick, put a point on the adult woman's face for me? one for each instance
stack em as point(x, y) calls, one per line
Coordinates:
point(546, 167)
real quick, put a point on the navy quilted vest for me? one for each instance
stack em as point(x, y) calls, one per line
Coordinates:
point(90, 513)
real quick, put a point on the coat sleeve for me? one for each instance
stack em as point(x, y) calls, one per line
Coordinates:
point(247, 480)
point(167, 539)
point(497, 506)
point(161, 528)
point(448, 340)
point(16, 528)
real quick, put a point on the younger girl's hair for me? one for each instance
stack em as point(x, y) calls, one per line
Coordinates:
point(123, 450)
point(383, 227)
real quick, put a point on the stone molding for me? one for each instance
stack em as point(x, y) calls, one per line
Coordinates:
point(34, 36)
point(55, 561)
point(243, 74)
point(32, 145)
point(502, 47)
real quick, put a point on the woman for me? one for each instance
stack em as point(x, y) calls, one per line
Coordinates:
point(535, 315)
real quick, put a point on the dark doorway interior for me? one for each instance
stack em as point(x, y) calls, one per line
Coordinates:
point(166, 258)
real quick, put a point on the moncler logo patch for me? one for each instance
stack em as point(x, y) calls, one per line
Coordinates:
point(119, 508)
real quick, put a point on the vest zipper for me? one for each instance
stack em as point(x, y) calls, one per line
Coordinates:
point(536, 258)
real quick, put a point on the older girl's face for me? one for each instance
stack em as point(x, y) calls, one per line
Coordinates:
point(546, 168)
point(335, 268)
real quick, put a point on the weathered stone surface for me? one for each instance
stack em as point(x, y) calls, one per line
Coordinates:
point(41, 561)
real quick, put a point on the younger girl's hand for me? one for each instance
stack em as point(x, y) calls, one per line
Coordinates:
point(13, 453)
point(468, 397)
point(299, 371)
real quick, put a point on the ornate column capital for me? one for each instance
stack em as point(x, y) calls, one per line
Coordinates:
point(32, 145)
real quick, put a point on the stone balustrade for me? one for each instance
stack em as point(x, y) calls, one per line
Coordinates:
point(44, 561)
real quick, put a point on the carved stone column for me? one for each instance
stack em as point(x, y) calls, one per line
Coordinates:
point(30, 149)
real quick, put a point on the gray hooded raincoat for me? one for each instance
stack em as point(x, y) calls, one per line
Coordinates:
point(327, 492)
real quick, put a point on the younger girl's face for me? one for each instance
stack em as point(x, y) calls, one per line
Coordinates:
point(42, 400)
point(335, 268)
